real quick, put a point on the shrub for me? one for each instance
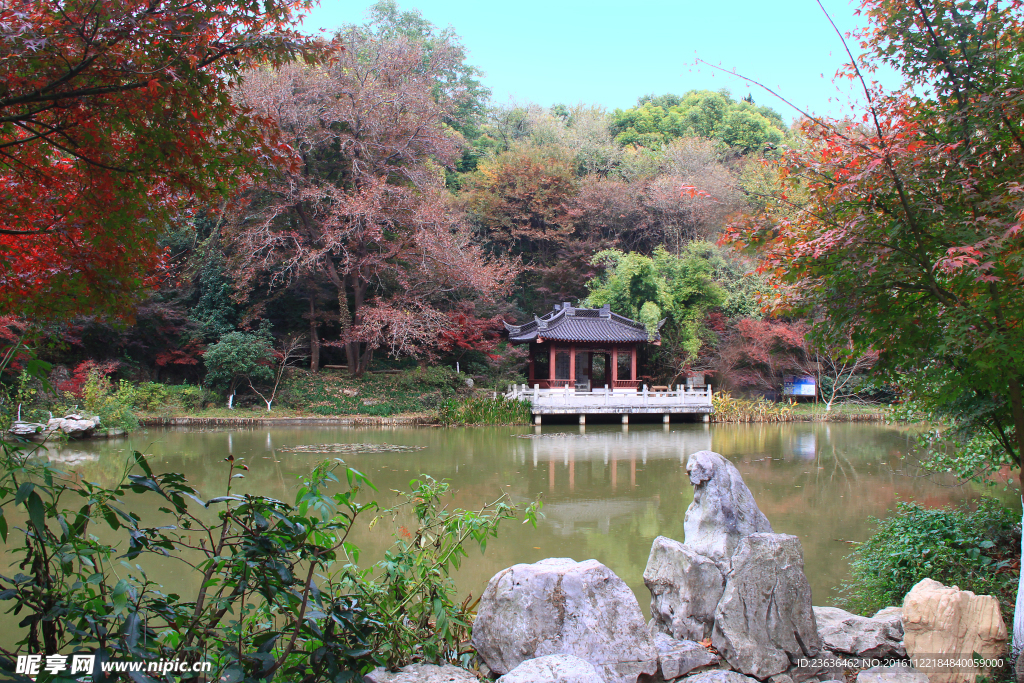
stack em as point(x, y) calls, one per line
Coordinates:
point(974, 550)
point(83, 371)
point(281, 595)
point(151, 396)
point(432, 377)
point(113, 406)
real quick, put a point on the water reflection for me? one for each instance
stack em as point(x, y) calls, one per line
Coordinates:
point(608, 491)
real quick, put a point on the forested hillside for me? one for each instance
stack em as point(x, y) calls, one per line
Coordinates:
point(386, 212)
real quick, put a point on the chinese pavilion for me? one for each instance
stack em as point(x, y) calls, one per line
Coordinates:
point(583, 348)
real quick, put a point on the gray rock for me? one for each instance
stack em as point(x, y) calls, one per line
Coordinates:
point(676, 658)
point(811, 671)
point(720, 676)
point(559, 606)
point(852, 634)
point(723, 510)
point(891, 615)
point(1018, 668)
point(764, 618)
point(685, 589)
point(780, 678)
point(553, 669)
point(891, 674)
point(421, 673)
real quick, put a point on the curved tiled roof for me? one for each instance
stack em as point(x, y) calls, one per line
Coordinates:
point(568, 323)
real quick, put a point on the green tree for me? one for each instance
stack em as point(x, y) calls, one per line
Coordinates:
point(911, 237)
point(237, 357)
point(656, 121)
point(677, 289)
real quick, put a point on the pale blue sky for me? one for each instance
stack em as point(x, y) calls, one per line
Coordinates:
point(558, 51)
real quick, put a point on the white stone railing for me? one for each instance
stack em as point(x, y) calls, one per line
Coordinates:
point(622, 398)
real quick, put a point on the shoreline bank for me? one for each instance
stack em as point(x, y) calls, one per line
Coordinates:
point(368, 420)
point(428, 421)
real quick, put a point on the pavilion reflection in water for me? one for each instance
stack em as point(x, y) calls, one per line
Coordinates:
point(610, 448)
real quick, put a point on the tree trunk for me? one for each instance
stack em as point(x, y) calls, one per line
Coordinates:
point(1017, 410)
point(314, 339)
point(1018, 610)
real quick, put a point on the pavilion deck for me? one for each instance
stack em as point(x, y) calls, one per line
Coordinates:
point(641, 400)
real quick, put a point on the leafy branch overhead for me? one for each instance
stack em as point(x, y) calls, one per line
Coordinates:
point(111, 115)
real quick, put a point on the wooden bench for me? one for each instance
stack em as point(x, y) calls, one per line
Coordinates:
point(659, 388)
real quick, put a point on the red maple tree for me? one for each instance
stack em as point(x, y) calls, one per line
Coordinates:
point(366, 209)
point(112, 114)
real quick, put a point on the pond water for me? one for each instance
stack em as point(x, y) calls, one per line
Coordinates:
point(608, 491)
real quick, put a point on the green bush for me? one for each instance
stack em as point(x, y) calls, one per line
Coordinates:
point(152, 396)
point(481, 411)
point(280, 595)
point(113, 406)
point(974, 550)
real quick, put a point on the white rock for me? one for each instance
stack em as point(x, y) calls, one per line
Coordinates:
point(421, 673)
point(77, 428)
point(553, 669)
point(676, 658)
point(685, 590)
point(723, 510)
point(852, 634)
point(26, 429)
point(764, 618)
point(559, 606)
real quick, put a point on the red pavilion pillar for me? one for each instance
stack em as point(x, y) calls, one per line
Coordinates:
point(551, 364)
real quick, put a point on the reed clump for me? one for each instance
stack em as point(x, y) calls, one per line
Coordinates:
point(484, 411)
point(726, 408)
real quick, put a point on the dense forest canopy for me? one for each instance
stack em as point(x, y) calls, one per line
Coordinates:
point(392, 212)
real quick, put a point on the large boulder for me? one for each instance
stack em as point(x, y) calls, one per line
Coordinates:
point(559, 606)
point(553, 669)
point(852, 634)
point(723, 510)
point(676, 658)
point(765, 619)
point(941, 622)
point(685, 590)
point(421, 673)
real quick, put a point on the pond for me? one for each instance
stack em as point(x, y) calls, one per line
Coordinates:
point(608, 491)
